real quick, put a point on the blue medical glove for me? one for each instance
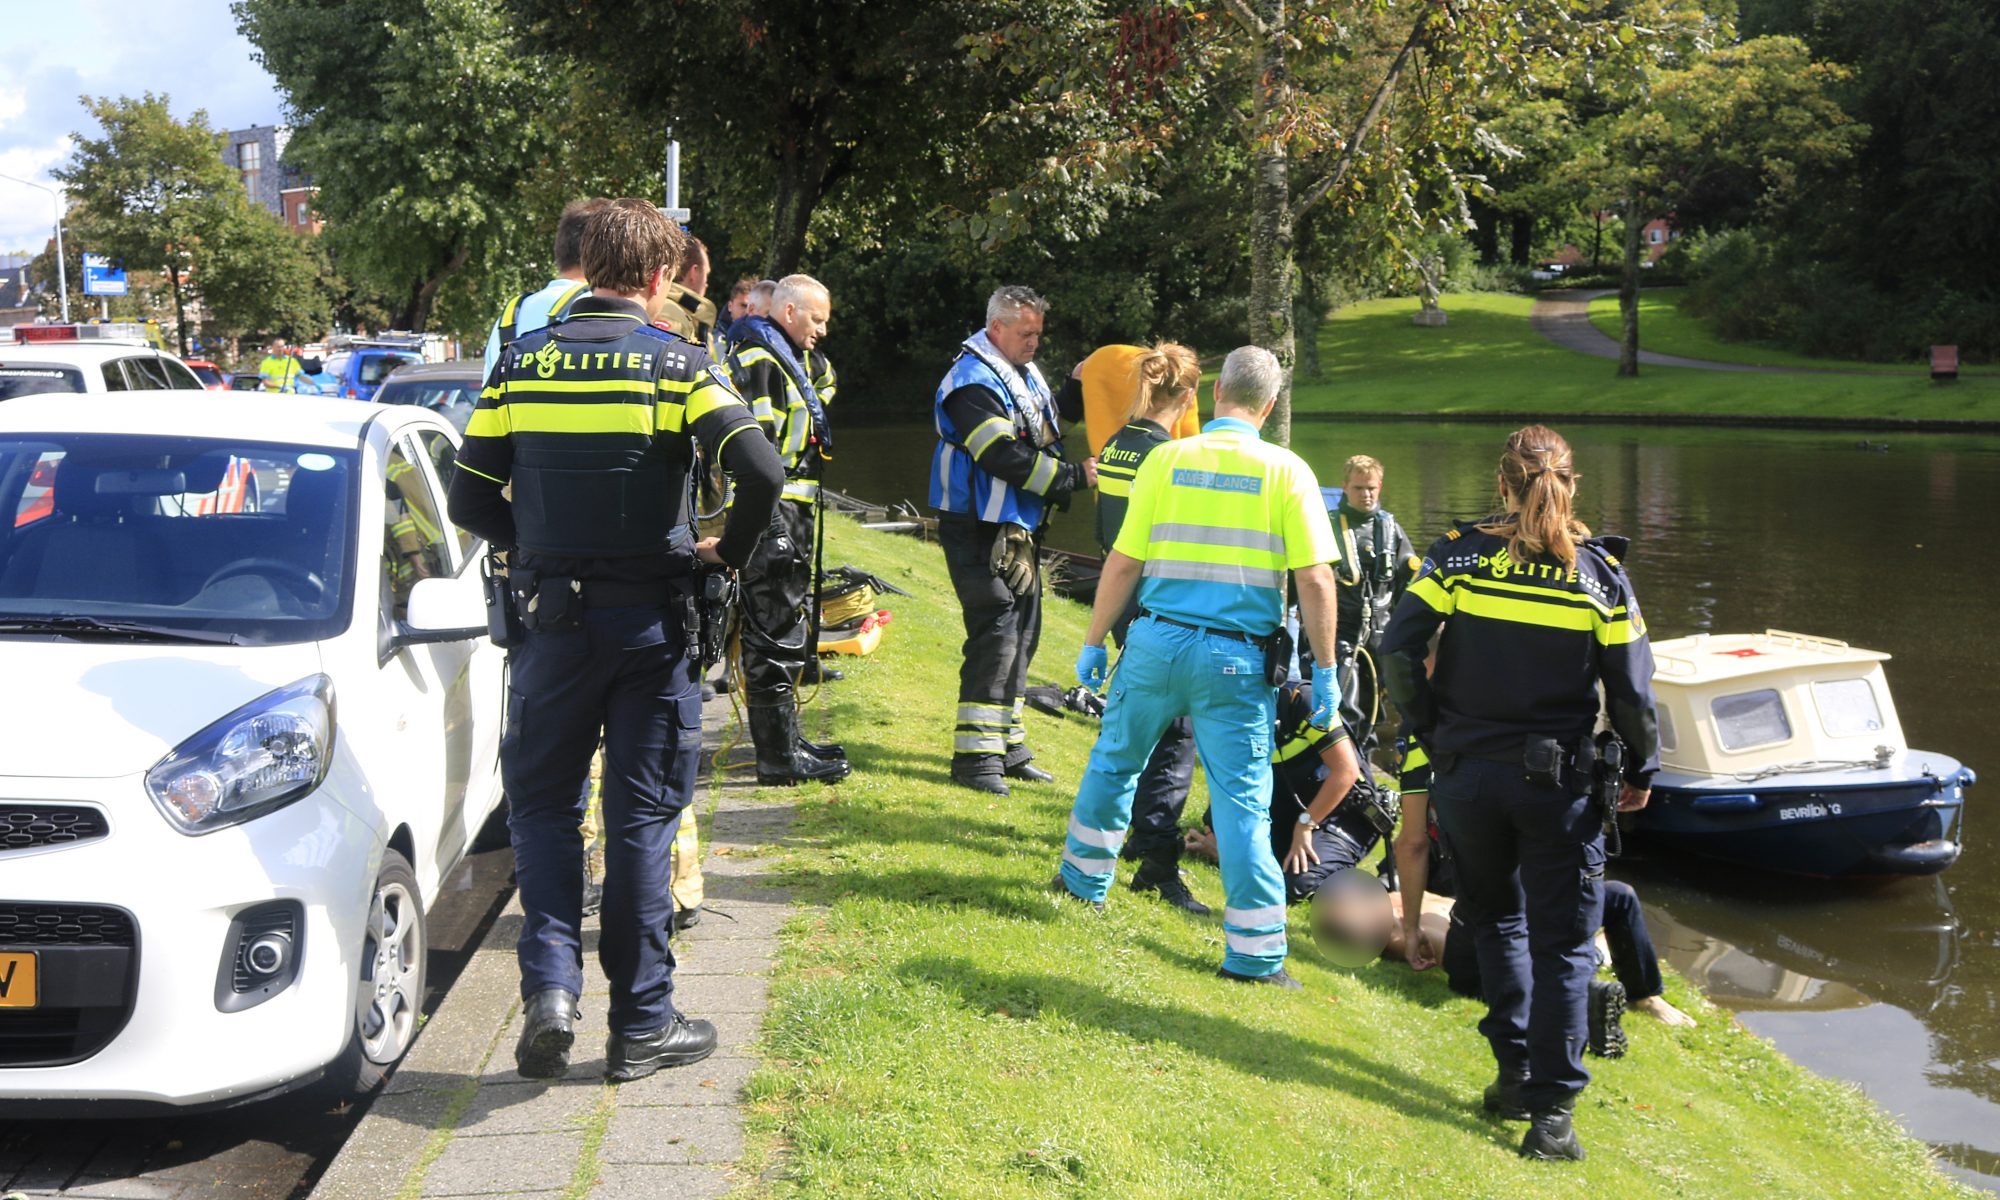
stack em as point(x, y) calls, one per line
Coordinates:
point(1092, 665)
point(1326, 695)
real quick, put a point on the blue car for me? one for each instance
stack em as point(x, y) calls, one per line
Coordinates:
point(357, 373)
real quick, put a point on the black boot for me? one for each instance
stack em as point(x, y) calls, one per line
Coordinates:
point(830, 751)
point(1020, 764)
point(780, 762)
point(1503, 1097)
point(1606, 1009)
point(818, 672)
point(676, 1044)
point(1160, 871)
point(550, 1030)
point(980, 772)
point(1551, 1136)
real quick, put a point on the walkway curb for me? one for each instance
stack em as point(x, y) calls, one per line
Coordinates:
point(455, 1120)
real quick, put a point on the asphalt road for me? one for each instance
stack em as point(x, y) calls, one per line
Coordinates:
point(274, 1150)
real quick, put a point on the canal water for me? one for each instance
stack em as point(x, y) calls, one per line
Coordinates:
point(1894, 986)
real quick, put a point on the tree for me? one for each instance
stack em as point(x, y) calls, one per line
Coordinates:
point(1734, 135)
point(420, 121)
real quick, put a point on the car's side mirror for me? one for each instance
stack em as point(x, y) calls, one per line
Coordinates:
point(444, 610)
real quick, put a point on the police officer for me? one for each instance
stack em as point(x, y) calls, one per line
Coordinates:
point(768, 365)
point(595, 422)
point(1212, 525)
point(1536, 615)
point(997, 473)
point(550, 303)
point(278, 371)
point(1160, 386)
point(1378, 562)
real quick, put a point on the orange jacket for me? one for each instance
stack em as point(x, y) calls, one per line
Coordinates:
point(1110, 385)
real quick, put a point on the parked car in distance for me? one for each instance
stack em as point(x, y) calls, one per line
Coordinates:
point(254, 744)
point(87, 358)
point(210, 374)
point(449, 389)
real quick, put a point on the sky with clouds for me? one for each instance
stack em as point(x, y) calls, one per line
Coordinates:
point(188, 50)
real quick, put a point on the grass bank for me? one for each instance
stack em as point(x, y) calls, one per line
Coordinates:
point(1666, 329)
point(1489, 360)
point(942, 1026)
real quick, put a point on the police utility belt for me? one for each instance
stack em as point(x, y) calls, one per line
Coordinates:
point(1543, 760)
point(1277, 645)
point(523, 601)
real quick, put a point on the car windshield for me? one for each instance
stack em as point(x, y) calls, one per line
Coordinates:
point(376, 367)
point(28, 379)
point(175, 537)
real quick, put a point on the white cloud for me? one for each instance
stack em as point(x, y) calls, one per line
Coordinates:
point(25, 213)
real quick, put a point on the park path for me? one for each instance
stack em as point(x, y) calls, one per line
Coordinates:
point(1565, 320)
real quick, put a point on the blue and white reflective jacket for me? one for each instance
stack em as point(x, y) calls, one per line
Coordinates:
point(958, 485)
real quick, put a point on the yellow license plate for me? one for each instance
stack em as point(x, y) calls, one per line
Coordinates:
point(17, 979)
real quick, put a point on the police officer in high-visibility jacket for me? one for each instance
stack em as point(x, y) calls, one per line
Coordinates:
point(768, 366)
point(549, 303)
point(997, 473)
point(1162, 383)
point(279, 370)
point(1537, 616)
point(595, 421)
point(1213, 524)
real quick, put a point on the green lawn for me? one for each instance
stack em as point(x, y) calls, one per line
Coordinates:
point(942, 1026)
point(1665, 329)
point(1490, 360)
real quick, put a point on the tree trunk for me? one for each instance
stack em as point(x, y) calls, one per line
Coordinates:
point(1271, 215)
point(180, 301)
point(806, 170)
point(1306, 318)
point(425, 297)
point(1597, 244)
point(1628, 288)
point(1523, 228)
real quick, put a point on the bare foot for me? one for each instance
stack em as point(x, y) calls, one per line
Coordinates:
point(1200, 842)
point(1666, 1014)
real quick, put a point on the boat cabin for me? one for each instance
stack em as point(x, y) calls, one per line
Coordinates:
point(1742, 704)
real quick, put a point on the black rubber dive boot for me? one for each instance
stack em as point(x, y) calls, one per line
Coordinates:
point(1020, 764)
point(1061, 889)
point(980, 772)
point(818, 672)
point(543, 1051)
point(1503, 1097)
point(780, 762)
point(1606, 1009)
point(1160, 871)
point(1552, 1137)
point(676, 1044)
point(830, 751)
point(1278, 978)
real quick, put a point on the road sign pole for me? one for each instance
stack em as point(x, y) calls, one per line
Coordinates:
point(62, 265)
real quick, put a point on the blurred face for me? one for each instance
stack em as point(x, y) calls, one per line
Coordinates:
point(1364, 492)
point(805, 323)
point(1018, 339)
point(694, 276)
point(274, 347)
point(738, 305)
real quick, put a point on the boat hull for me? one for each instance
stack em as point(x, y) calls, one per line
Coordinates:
point(1901, 819)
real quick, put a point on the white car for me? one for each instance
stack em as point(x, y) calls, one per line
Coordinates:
point(87, 358)
point(238, 750)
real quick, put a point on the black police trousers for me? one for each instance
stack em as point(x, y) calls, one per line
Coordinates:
point(1001, 633)
point(1530, 865)
point(626, 676)
point(777, 587)
point(1634, 962)
point(1163, 789)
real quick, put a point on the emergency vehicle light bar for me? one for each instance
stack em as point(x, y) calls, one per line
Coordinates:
point(115, 331)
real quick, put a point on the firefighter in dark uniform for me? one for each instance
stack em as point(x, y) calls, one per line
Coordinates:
point(768, 366)
point(1379, 562)
point(1537, 615)
point(595, 422)
point(996, 476)
point(1164, 380)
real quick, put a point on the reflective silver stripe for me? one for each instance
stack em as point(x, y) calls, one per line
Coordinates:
point(1216, 535)
point(1249, 918)
point(1103, 839)
point(1236, 573)
point(978, 743)
point(981, 714)
point(802, 489)
point(1091, 866)
point(797, 424)
point(996, 503)
point(1042, 476)
point(1260, 943)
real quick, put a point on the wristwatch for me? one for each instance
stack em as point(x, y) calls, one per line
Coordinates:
point(1306, 818)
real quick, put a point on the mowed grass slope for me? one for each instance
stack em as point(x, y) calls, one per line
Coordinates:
point(1490, 360)
point(1665, 328)
point(942, 1026)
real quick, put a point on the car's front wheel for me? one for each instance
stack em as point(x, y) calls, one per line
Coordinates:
point(389, 996)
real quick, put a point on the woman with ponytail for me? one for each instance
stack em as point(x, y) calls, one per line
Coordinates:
point(1537, 615)
point(1164, 377)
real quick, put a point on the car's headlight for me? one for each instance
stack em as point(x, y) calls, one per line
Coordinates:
point(265, 755)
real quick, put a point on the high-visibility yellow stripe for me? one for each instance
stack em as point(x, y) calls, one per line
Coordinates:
point(1432, 593)
point(1113, 487)
point(1415, 758)
point(1620, 632)
point(676, 385)
point(1549, 594)
point(670, 416)
point(482, 474)
point(487, 422)
point(572, 386)
point(753, 355)
point(507, 313)
point(710, 398)
point(1526, 612)
point(614, 417)
point(803, 490)
point(986, 434)
point(1043, 475)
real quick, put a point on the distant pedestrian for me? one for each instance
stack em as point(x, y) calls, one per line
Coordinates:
point(279, 371)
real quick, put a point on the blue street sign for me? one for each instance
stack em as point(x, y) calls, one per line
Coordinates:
point(100, 278)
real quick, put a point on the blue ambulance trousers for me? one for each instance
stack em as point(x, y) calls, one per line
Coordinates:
point(624, 675)
point(1166, 672)
point(1530, 867)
